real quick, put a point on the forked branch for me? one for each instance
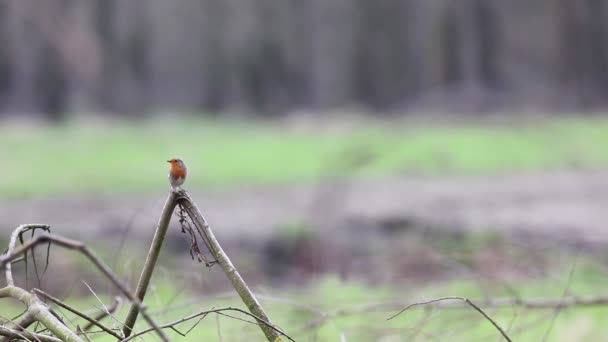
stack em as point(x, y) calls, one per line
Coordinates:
point(83, 249)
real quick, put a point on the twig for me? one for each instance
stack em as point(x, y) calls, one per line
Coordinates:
point(26, 335)
point(82, 248)
point(83, 333)
point(11, 247)
point(21, 325)
point(204, 313)
point(153, 253)
point(231, 294)
point(231, 272)
point(558, 309)
point(531, 303)
point(77, 313)
point(186, 225)
point(463, 299)
point(103, 314)
point(219, 330)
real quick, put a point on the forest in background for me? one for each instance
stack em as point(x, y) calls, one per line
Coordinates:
point(273, 57)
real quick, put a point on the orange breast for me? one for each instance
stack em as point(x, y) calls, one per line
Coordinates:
point(177, 171)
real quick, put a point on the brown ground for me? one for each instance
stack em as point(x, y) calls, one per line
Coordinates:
point(563, 204)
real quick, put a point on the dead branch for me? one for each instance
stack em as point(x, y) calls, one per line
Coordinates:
point(532, 303)
point(186, 224)
point(231, 272)
point(462, 299)
point(83, 249)
point(13, 242)
point(112, 309)
point(495, 303)
point(76, 312)
point(26, 335)
point(204, 314)
point(40, 312)
point(20, 325)
point(148, 269)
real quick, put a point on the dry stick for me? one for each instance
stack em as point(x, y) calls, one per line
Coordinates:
point(41, 312)
point(103, 314)
point(26, 335)
point(83, 333)
point(20, 325)
point(82, 248)
point(13, 242)
point(233, 275)
point(205, 313)
point(146, 273)
point(465, 300)
point(76, 312)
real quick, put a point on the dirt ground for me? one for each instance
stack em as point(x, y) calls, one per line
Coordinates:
point(563, 204)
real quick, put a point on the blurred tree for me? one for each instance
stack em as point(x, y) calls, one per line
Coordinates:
point(584, 49)
point(385, 73)
point(105, 11)
point(50, 83)
point(488, 35)
point(275, 56)
point(6, 75)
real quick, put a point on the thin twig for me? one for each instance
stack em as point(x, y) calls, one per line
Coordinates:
point(76, 312)
point(186, 225)
point(103, 314)
point(26, 335)
point(204, 313)
point(19, 326)
point(12, 243)
point(463, 299)
point(558, 309)
point(531, 303)
point(83, 333)
point(219, 330)
point(82, 248)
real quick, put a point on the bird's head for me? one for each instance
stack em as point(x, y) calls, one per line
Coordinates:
point(175, 162)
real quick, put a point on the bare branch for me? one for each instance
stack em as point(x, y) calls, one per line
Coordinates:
point(231, 272)
point(465, 300)
point(219, 330)
point(40, 312)
point(27, 335)
point(205, 313)
point(77, 313)
point(153, 253)
point(13, 241)
point(112, 309)
point(558, 309)
point(19, 326)
point(82, 248)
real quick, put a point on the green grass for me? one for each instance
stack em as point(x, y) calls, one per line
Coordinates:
point(129, 156)
point(295, 310)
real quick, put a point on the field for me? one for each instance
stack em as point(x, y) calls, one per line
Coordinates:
point(335, 310)
point(116, 158)
point(129, 156)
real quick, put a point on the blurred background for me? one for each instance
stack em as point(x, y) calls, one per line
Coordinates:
point(346, 153)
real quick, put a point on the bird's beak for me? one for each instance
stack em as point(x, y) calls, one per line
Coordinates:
point(168, 161)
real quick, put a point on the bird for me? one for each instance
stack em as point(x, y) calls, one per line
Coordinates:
point(177, 173)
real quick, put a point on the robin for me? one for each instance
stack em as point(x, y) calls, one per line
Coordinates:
point(177, 173)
